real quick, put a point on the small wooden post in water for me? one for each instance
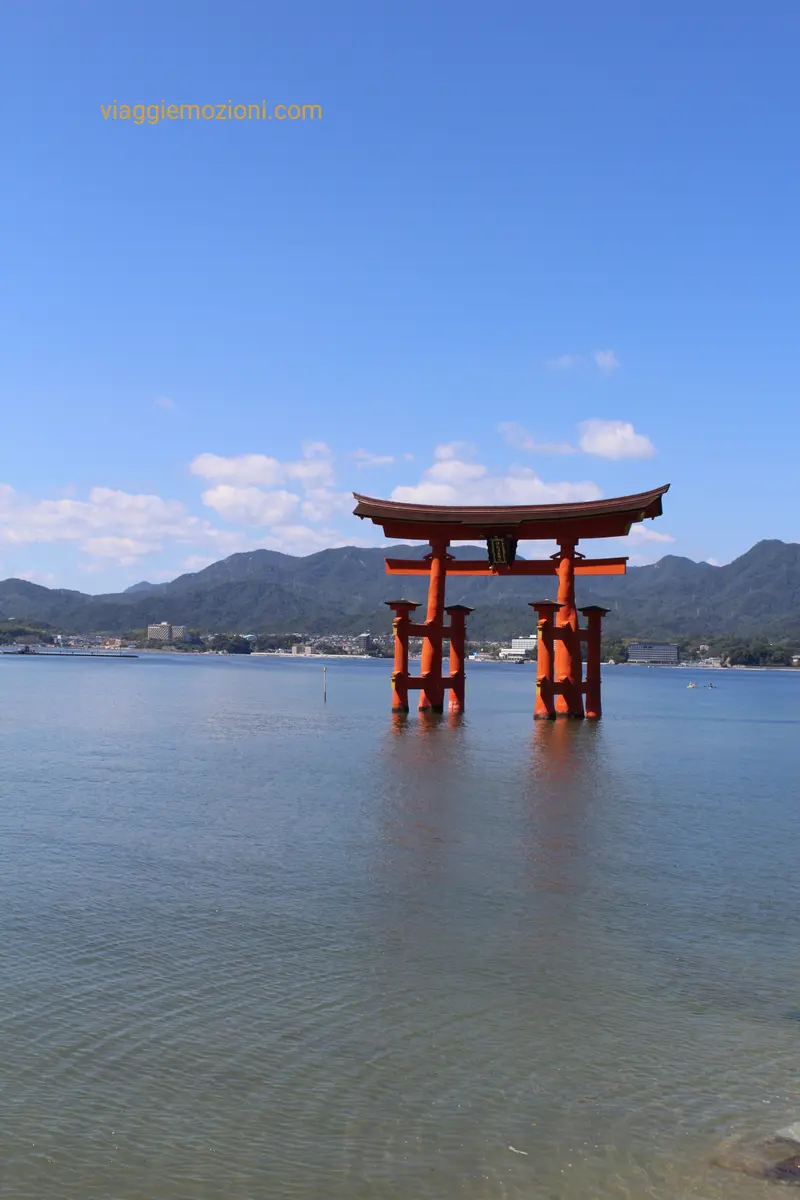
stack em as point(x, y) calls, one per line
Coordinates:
point(324, 685)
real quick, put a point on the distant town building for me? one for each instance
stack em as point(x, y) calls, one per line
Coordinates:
point(364, 642)
point(653, 652)
point(519, 647)
point(164, 632)
point(300, 649)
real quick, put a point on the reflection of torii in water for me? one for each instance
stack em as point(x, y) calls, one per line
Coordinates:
point(420, 807)
point(560, 686)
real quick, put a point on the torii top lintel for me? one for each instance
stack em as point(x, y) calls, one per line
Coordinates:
point(562, 522)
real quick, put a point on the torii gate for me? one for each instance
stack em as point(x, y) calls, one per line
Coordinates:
point(560, 685)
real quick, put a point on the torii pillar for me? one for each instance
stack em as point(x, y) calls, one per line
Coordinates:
point(554, 633)
point(432, 692)
point(568, 666)
point(591, 635)
point(545, 706)
point(458, 614)
point(401, 625)
point(431, 682)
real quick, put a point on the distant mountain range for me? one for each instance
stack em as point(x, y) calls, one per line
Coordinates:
point(342, 590)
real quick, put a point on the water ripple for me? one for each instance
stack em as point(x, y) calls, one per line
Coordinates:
point(254, 947)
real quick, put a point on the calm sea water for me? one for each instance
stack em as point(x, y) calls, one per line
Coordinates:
point(257, 947)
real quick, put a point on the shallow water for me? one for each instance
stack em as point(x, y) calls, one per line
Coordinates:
point(258, 946)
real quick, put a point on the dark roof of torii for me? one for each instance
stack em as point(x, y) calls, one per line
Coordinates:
point(590, 518)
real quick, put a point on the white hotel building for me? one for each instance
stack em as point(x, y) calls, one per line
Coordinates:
point(519, 645)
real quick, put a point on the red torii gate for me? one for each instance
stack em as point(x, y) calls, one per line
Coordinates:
point(560, 685)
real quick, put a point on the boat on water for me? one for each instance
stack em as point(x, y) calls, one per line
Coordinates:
point(690, 685)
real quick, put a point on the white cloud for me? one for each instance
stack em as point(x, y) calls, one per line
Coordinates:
point(320, 504)
point(606, 361)
point(426, 493)
point(164, 402)
point(311, 471)
point(454, 470)
point(237, 497)
point(195, 562)
point(606, 439)
point(451, 464)
point(110, 524)
point(460, 450)
point(251, 505)
point(302, 539)
point(316, 450)
point(227, 541)
point(45, 578)
point(365, 459)
point(517, 435)
point(107, 510)
point(523, 487)
point(455, 480)
point(244, 470)
point(123, 549)
point(295, 506)
point(714, 562)
point(614, 439)
point(645, 533)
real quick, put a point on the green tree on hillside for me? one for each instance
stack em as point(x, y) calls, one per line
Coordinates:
point(231, 644)
point(613, 647)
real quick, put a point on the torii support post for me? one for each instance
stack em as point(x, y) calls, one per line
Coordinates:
point(545, 708)
point(458, 614)
point(402, 619)
point(432, 693)
point(592, 634)
point(568, 665)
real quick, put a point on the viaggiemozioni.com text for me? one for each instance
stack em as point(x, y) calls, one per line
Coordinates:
point(151, 114)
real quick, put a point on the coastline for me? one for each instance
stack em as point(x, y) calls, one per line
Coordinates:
point(685, 666)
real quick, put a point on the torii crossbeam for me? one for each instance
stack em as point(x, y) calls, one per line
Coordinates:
point(560, 686)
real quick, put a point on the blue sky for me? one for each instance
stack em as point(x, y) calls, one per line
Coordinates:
point(529, 252)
